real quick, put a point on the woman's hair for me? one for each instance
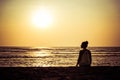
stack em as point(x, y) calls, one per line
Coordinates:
point(84, 44)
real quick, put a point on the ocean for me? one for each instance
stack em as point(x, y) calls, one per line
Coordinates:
point(56, 56)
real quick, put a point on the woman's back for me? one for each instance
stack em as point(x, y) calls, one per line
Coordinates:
point(85, 58)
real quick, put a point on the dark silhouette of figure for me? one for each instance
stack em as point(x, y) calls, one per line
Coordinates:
point(84, 59)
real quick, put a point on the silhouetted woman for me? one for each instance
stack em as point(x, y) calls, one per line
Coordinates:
point(84, 59)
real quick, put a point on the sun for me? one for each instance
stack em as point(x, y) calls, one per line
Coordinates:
point(42, 18)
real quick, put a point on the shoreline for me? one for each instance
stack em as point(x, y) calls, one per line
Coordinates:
point(60, 73)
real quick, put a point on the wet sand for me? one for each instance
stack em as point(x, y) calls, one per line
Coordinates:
point(60, 73)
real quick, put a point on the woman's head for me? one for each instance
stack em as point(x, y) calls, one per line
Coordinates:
point(84, 44)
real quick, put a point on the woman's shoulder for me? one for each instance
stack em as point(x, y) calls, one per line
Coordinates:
point(88, 51)
point(85, 50)
point(82, 51)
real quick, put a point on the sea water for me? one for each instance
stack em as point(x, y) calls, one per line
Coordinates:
point(56, 56)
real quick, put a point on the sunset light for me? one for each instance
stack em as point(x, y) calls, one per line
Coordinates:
point(57, 36)
point(48, 23)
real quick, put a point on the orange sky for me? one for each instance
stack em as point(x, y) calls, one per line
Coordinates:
point(73, 21)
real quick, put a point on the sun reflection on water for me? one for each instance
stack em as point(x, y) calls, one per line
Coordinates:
point(41, 58)
point(41, 53)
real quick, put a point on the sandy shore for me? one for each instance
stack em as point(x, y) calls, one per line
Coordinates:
point(60, 73)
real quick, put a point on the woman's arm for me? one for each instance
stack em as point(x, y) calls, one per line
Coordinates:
point(78, 59)
point(90, 57)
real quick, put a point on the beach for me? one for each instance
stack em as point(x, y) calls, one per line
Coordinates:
point(47, 39)
point(60, 73)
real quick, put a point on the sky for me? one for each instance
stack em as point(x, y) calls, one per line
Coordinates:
point(63, 22)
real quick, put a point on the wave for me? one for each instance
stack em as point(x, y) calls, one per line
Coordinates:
point(18, 49)
point(55, 49)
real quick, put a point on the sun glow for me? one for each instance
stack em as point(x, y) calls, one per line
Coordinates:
point(42, 18)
